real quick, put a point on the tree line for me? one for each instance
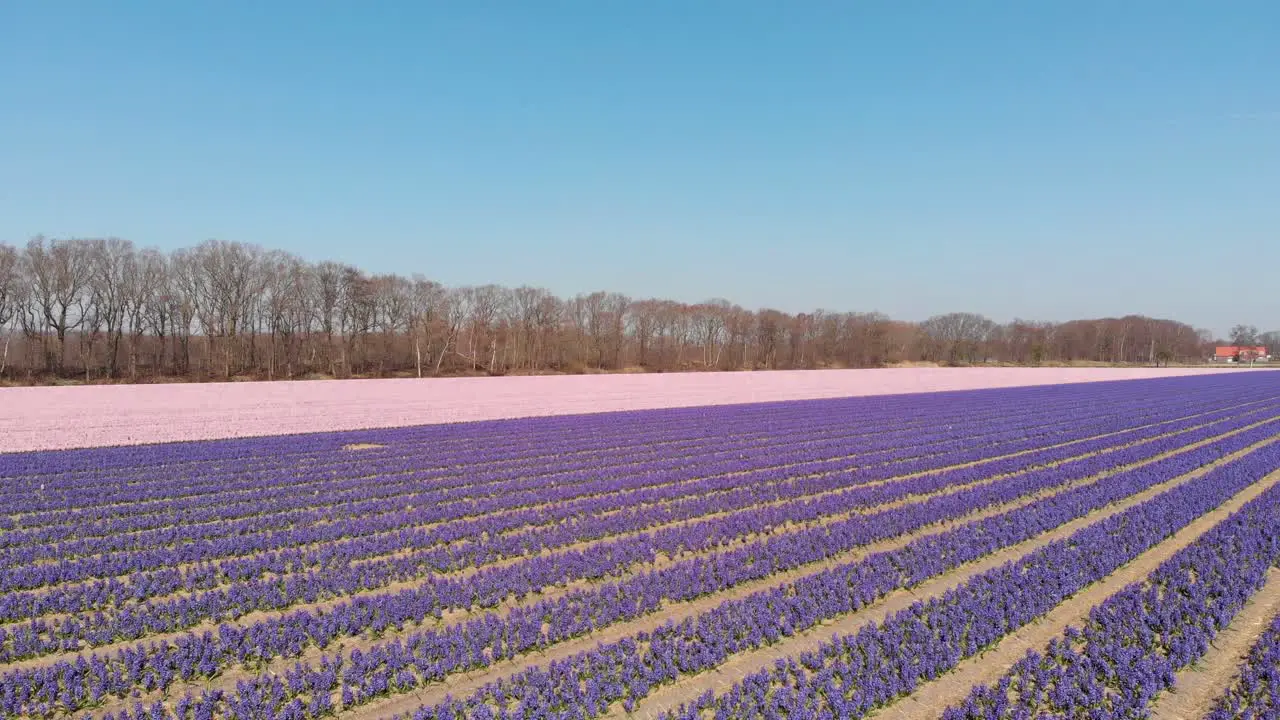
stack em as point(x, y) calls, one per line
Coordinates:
point(104, 309)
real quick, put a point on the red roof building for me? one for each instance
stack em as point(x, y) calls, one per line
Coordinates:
point(1229, 352)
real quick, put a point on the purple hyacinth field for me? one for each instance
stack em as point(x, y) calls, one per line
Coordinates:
point(1087, 550)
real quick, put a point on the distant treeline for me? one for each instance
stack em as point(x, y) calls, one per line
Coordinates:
point(103, 309)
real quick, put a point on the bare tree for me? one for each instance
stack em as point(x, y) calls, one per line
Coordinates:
point(286, 301)
point(770, 326)
point(145, 288)
point(482, 305)
point(709, 321)
point(958, 337)
point(357, 319)
point(223, 308)
point(328, 287)
point(186, 305)
point(427, 312)
point(1243, 335)
point(92, 317)
point(393, 315)
point(1245, 340)
point(60, 273)
point(643, 327)
point(1270, 341)
point(10, 294)
point(115, 270)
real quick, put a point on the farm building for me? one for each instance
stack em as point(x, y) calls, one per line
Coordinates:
point(1235, 353)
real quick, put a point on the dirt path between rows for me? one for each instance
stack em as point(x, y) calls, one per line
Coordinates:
point(1197, 687)
point(931, 698)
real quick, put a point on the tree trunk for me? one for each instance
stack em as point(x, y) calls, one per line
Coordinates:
point(328, 352)
point(61, 360)
point(133, 357)
point(440, 360)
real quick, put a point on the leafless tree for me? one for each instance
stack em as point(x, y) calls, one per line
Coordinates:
point(643, 326)
point(1244, 335)
point(60, 273)
point(147, 286)
point(710, 319)
point(223, 309)
point(431, 320)
point(482, 304)
point(958, 337)
point(1270, 340)
point(286, 295)
point(115, 270)
point(10, 295)
point(1245, 340)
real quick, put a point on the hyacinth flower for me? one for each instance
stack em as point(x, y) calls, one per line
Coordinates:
point(1255, 694)
point(585, 568)
point(383, 671)
point(1100, 492)
point(883, 662)
point(245, 651)
point(1132, 645)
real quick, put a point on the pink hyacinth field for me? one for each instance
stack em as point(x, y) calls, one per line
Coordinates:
point(42, 418)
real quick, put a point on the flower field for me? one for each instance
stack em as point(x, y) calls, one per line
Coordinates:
point(37, 417)
point(1068, 550)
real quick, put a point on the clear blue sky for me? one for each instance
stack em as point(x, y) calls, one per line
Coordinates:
point(1037, 159)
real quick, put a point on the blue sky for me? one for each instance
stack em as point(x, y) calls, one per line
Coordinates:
point(1046, 160)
